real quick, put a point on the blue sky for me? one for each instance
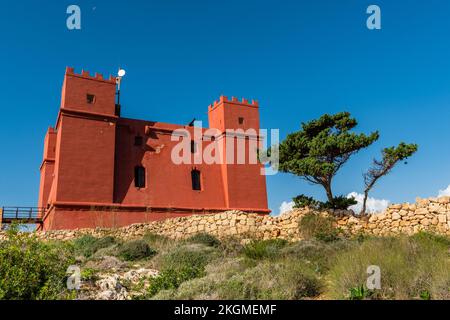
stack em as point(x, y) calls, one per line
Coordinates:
point(299, 59)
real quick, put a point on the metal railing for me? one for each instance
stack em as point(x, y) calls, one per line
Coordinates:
point(22, 214)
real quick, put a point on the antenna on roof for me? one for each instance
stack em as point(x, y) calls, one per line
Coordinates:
point(191, 123)
point(120, 74)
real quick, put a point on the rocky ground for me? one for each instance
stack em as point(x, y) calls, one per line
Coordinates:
point(116, 281)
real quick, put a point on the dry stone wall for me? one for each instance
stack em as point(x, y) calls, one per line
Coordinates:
point(431, 214)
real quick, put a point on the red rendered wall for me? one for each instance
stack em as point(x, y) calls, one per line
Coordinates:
point(91, 181)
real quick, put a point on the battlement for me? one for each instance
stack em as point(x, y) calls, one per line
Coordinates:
point(224, 99)
point(70, 71)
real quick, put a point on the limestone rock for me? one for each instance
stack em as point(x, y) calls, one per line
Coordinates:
point(396, 216)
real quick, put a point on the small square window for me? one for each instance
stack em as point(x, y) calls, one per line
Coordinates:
point(241, 120)
point(90, 98)
point(138, 141)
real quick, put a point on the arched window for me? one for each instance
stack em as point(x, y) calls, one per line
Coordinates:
point(196, 183)
point(139, 177)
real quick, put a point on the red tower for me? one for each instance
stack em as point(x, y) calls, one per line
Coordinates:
point(102, 170)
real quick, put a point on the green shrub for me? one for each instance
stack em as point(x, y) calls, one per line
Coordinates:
point(286, 280)
point(317, 254)
point(425, 237)
point(302, 201)
point(156, 240)
point(261, 249)
point(32, 269)
point(314, 226)
point(425, 295)
point(340, 202)
point(181, 264)
point(267, 280)
point(193, 255)
point(135, 250)
point(409, 267)
point(230, 246)
point(83, 245)
point(104, 242)
point(87, 245)
point(172, 278)
point(89, 274)
point(359, 293)
point(204, 238)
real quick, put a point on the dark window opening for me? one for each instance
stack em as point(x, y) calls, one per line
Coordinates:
point(90, 98)
point(196, 185)
point(193, 146)
point(241, 120)
point(139, 177)
point(138, 141)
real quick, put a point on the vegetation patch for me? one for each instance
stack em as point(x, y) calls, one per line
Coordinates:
point(32, 269)
point(411, 268)
point(204, 238)
point(315, 226)
point(135, 250)
point(88, 245)
point(262, 249)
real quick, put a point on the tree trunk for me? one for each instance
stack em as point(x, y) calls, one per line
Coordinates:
point(327, 186)
point(363, 209)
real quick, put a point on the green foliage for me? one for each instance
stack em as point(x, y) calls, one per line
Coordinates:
point(321, 148)
point(359, 293)
point(425, 295)
point(340, 202)
point(204, 238)
point(424, 236)
point(181, 264)
point(172, 278)
point(135, 250)
point(303, 201)
point(390, 157)
point(187, 255)
point(285, 279)
point(401, 152)
point(88, 274)
point(157, 240)
point(409, 266)
point(230, 246)
point(318, 255)
point(31, 269)
point(263, 249)
point(270, 281)
point(315, 226)
point(87, 245)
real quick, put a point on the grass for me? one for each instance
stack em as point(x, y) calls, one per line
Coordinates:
point(411, 268)
point(314, 226)
point(324, 265)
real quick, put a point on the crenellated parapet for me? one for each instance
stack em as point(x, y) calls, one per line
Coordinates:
point(70, 71)
point(224, 99)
